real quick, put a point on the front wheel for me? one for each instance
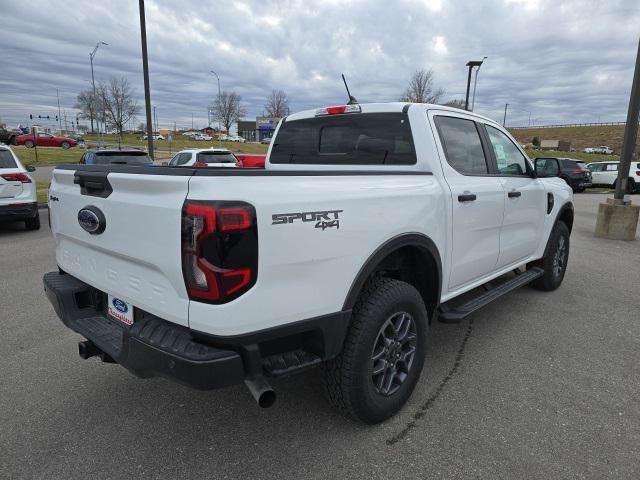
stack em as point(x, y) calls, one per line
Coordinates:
point(554, 263)
point(383, 354)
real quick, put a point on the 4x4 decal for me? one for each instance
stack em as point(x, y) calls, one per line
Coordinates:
point(323, 219)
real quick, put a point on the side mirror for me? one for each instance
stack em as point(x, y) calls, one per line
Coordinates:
point(30, 168)
point(547, 167)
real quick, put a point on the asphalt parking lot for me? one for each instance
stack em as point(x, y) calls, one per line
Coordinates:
point(536, 385)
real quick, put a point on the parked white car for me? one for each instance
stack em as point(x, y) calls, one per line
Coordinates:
point(204, 157)
point(237, 138)
point(18, 200)
point(605, 174)
point(201, 136)
point(602, 149)
point(190, 134)
point(155, 136)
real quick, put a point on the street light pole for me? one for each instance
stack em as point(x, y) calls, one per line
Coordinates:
point(145, 71)
point(504, 119)
point(630, 133)
point(93, 83)
point(470, 64)
point(475, 82)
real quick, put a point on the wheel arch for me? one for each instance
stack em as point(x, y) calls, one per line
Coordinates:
point(413, 258)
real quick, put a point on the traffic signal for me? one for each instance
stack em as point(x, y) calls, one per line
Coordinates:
point(30, 116)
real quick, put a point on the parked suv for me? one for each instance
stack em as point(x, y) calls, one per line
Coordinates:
point(204, 157)
point(18, 201)
point(575, 173)
point(115, 157)
point(605, 174)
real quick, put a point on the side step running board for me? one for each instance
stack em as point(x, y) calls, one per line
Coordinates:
point(289, 362)
point(457, 314)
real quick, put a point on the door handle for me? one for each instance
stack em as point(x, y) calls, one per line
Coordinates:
point(514, 194)
point(467, 197)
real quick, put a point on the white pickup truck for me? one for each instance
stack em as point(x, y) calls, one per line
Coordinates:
point(367, 224)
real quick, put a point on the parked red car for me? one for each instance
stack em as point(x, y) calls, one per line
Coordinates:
point(45, 140)
point(250, 161)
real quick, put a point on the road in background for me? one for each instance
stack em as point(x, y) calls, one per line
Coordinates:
point(535, 385)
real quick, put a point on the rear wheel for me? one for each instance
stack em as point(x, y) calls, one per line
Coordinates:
point(33, 223)
point(578, 190)
point(29, 144)
point(383, 353)
point(65, 145)
point(554, 263)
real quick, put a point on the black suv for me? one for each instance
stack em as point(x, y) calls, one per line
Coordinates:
point(575, 173)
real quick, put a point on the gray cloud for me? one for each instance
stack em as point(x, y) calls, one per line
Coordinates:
point(563, 61)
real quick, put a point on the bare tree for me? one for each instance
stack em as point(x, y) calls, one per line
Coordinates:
point(277, 104)
point(421, 88)
point(119, 103)
point(457, 103)
point(227, 108)
point(87, 106)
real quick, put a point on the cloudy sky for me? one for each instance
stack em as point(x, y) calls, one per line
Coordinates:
point(563, 61)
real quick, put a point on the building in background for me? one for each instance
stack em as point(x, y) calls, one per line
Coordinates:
point(247, 130)
point(265, 126)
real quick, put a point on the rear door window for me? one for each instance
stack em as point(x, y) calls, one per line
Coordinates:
point(462, 145)
point(6, 159)
point(349, 139)
point(128, 158)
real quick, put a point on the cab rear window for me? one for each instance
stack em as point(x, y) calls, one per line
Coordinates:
point(6, 159)
point(349, 139)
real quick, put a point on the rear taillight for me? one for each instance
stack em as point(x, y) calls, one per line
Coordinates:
point(638, 173)
point(219, 249)
point(16, 177)
point(200, 164)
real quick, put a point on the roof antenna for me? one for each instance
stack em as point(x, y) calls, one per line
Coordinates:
point(352, 99)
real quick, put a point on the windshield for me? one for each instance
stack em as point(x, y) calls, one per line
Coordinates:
point(216, 157)
point(351, 139)
point(130, 158)
point(6, 159)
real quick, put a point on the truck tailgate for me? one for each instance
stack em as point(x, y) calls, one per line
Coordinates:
point(137, 257)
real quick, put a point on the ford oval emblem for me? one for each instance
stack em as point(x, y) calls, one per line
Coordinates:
point(92, 220)
point(120, 305)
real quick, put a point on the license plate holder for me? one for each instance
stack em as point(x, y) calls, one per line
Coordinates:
point(120, 310)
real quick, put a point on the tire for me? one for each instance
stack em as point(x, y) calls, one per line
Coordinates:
point(554, 263)
point(65, 145)
point(387, 311)
point(33, 223)
point(578, 190)
point(631, 185)
point(29, 144)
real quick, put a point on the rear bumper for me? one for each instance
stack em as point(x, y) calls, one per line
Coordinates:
point(18, 211)
point(151, 347)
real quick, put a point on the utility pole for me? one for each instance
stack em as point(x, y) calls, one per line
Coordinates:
point(145, 70)
point(59, 115)
point(218, 107)
point(630, 133)
point(504, 119)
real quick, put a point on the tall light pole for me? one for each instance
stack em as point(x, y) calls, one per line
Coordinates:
point(475, 82)
point(145, 72)
point(504, 119)
point(470, 64)
point(219, 122)
point(93, 83)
